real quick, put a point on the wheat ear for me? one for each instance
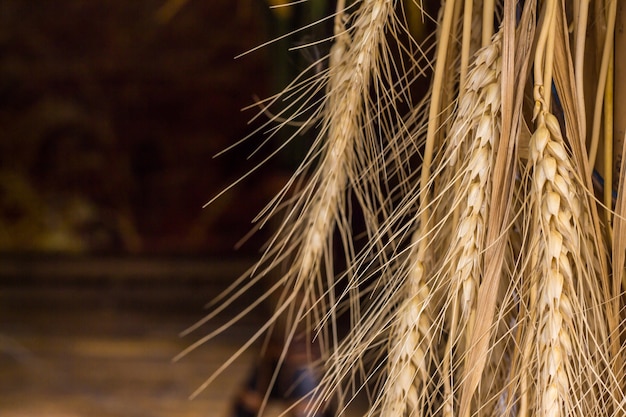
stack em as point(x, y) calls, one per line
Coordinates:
point(557, 244)
point(554, 211)
point(573, 344)
point(408, 340)
point(304, 239)
point(475, 129)
point(352, 64)
point(407, 355)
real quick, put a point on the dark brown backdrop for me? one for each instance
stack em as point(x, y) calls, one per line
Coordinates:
point(110, 115)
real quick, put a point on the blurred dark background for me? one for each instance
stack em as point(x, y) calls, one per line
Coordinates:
point(111, 112)
point(110, 115)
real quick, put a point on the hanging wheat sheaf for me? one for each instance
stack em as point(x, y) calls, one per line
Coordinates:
point(489, 278)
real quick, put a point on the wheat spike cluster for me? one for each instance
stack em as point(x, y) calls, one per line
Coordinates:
point(484, 159)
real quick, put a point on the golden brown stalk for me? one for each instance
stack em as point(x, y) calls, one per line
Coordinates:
point(577, 277)
point(474, 132)
point(583, 308)
point(557, 212)
point(352, 63)
point(603, 75)
point(304, 239)
point(478, 350)
point(406, 367)
point(411, 334)
point(478, 130)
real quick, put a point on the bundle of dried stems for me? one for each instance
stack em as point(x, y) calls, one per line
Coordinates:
point(491, 279)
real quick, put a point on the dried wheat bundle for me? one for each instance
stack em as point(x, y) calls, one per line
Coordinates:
point(361, 87)
point(491, 278)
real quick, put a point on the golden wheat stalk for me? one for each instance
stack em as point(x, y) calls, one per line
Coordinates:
point(405, 390)
point(563, 281)
point(473, 134)
point(557, 242)
point(484, 288)
point(566, 344)
point(408, 350)
point(304, 239)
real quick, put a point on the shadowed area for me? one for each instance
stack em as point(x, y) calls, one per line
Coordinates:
point(95, 337)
